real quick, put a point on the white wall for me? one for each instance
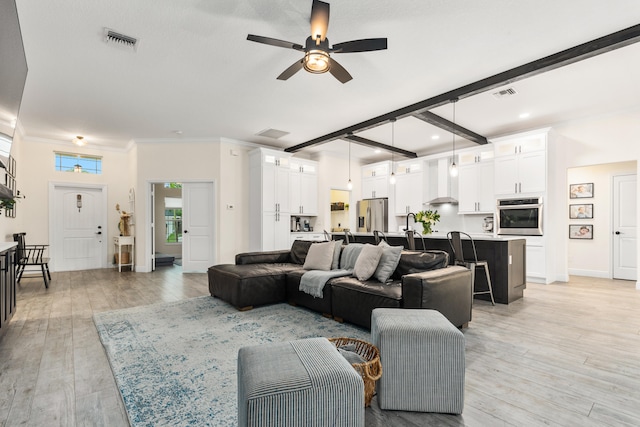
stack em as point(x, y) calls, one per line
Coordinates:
point(36, 169)
point(594, 257)
point(219, 161)
point(613, 138)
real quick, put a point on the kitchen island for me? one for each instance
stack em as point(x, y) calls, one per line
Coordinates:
point(506, 256)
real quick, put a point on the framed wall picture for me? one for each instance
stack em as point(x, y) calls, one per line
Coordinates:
point(581, 191)
point(581, 231)
point(581, 211)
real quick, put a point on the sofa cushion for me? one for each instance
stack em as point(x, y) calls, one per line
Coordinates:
point(388, 261)
point(367, 261)
point(320, 256)
point(299, 250)
point(418, 261)
point(335, 264)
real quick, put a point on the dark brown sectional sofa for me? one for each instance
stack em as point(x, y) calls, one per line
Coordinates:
point(422, 279)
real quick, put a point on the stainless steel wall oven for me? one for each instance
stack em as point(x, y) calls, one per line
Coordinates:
point(521, 217)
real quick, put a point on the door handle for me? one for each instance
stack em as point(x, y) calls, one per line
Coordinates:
point(617, 232)
point(185, 231)
point(99, 232)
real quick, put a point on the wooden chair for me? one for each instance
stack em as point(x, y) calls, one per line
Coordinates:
point(31, 256)
point(471, 263)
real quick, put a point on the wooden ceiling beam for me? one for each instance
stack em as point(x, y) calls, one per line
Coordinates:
point(442, 123)
point(572, 55)
point(370, 143)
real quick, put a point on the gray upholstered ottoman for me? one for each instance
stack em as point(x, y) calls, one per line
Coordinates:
point(298, 383)
point(422, 356)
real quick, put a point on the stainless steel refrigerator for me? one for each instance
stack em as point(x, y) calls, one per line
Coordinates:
point(373, 214)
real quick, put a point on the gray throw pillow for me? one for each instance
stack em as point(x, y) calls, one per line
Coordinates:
point(336, 254)
point(367, 261)
point(319, 257)
point(388, 261)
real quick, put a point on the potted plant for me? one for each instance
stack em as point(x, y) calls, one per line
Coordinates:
point(428, 220)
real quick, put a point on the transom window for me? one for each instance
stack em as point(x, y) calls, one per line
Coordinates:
point(78, 163)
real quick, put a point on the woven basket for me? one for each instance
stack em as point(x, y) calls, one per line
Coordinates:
point(371, 370)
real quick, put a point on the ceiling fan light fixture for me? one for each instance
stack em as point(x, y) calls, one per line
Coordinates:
point(316, 61)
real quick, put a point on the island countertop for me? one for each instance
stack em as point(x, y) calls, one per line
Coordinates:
point(505, 255)
point(438, 235)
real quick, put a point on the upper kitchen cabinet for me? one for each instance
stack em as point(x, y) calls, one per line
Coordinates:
point(303, 187)
point(269, 206)
point(475, 181)
point(375, 180)
point(409, 187)
point(520, 164)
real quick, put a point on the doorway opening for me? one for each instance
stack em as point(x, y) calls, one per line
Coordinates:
point(168, 219)
point(340, 220)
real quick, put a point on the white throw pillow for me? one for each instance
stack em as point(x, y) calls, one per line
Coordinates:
point(388, 261)
point(367, 261)
point(319, 257)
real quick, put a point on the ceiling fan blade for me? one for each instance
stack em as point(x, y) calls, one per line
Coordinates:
point(275, 42)
point(319, 19)
point(294, 68)
point(364, 45)
point(338, 71)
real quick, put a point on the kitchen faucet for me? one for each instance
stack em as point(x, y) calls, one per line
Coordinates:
point(414, 219)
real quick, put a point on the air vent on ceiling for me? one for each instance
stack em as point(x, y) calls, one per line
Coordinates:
point(272, 133)
point(505, 92)
point(119, 39)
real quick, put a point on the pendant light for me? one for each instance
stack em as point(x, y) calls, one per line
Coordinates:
point(392, 178)
point(453, 170)
point(349, 184)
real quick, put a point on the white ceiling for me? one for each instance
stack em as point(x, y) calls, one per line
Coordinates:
point(195, 72)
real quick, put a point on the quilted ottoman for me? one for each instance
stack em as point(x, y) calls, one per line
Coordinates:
point(423, 361)
point(298, 383)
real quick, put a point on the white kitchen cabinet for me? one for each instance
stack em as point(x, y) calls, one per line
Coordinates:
point(520, 165)
point(303, 179)
point(375, 180)
point(536, 260)
point(476, 181)
point(409, 187)
point(269, 192)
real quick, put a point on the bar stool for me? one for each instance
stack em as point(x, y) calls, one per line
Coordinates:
point(411, 242)
point(458, 254)
point(379, 235)
point(349, 237)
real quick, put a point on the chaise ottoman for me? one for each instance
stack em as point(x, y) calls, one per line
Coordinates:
point(423, 358)
point(298, 383)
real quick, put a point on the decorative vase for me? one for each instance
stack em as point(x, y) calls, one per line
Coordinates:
point(426, 228)
point(123, 226)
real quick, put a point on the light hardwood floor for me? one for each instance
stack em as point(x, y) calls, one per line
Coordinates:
point(566, 354)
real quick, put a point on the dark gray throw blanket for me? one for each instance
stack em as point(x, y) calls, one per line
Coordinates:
point(313, 281)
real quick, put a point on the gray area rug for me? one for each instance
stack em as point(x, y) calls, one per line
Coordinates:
point(175, 363)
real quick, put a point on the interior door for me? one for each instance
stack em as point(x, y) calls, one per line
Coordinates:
point(198, 227)
point(78, 228)
point(624, 227)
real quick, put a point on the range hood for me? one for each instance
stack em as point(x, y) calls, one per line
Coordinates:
point(443, 185)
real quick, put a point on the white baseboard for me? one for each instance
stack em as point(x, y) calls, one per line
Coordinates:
point(590, 273)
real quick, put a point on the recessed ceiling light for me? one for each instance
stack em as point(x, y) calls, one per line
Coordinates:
point(377, 151)
point(524, 115)
point(434, 137)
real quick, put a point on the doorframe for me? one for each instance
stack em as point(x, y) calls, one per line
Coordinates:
point(148, 255)
point(104, 190)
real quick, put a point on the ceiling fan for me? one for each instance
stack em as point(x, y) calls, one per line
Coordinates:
point(317, 52)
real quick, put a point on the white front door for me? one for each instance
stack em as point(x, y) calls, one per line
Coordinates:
point(624, 227)
point(78, 229)
point(197, 226)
